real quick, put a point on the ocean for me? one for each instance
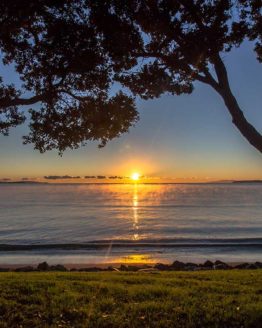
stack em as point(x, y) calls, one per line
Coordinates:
point(130, 223)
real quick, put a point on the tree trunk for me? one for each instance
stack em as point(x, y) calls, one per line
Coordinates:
point(238, 118)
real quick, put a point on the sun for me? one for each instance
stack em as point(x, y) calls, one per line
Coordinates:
point(135, 176)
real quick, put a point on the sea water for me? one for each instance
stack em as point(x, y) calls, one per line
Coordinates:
point(130, 223)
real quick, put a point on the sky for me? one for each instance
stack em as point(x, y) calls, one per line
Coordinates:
point(188, 138)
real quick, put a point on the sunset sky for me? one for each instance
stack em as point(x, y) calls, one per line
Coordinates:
point(187, 138)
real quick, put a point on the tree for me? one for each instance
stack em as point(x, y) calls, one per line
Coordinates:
point(70, 53)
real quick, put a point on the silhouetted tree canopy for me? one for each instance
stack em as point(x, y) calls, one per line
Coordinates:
point(72, 55)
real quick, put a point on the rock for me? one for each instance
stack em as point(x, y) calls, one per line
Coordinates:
point(191, 266)
point(123, 267)
point(24, 269)
point(201, 268)
point(43, 266)
point(129, 268)
point(110, 268)
point(252, 266)
point(4, 269)
point(149, 270)
point(162, 267)
point(115, 269)
point(91, 269)
point(217, 262)
point(177, 265)
point(219, 265)
point(259, 265)
point(133, 268)
point(242, 266)
point(208, 265)
point(58, 267)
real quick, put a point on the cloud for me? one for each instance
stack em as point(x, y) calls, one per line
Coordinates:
point(5, 179)
point(26, 179)
point(101, 177)
point(58, 177)
point(90, 177)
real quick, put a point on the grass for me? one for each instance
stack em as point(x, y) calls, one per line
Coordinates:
point(121, 299)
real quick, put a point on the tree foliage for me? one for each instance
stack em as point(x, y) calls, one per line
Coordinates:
point(70, 54)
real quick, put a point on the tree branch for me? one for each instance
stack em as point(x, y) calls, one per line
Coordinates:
point(5, 102)
point(79, 98)
point(238, 118)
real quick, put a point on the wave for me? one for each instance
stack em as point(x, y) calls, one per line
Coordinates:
point(140, 206)
point(153, 243)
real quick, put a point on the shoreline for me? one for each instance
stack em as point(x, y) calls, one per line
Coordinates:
point(255, 242)
point(120, 266)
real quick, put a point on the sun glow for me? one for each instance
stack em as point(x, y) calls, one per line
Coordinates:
point(135, 176)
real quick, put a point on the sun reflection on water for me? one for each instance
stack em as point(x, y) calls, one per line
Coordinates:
point(135, 213)
point(135, 259)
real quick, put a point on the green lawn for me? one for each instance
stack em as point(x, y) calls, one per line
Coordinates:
point(121, 299)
